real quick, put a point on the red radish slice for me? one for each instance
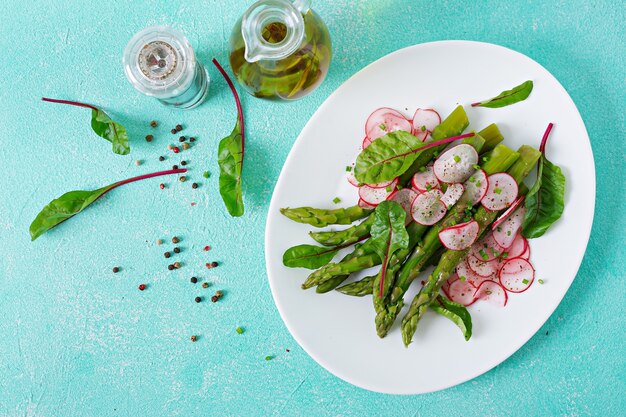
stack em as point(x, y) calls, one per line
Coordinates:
point(507, 213)
point(392, 184)
point(462, 292)
point(426, 180)
point(385, 120)
point(364, 205)
point(366, 142)
point(446, 285)
point(452, 195)
point(463, 270)
point(484, 269)
point(460, 236)
point(352, 179)
point(374, 196)
point(517, 248)
point(526, 254)
point(405, 198)
point(423, 136)
point(506, 233)
point(486, 249)
point(425, 120)
point(501, 192)
point(456, 164)
point(427, 208)
point(477, 185)
point(516, 275)
point(492, 292)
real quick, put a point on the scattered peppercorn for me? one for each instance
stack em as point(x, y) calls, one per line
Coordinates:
point(205, 285)
point(175, 239)
point(194, 338)
point(161, 158)
point(142, 287)
point(173, 131)
point(194, 185)
point(185, 146)
point(179, 128)
point(161, 186)
point(182, 139)
point(287, 350)
point(194, 280)
point(214, 299)
point(167, 254)
point(176, 265)
point(149, 138)
point(116, 269)
point(175, 149)
point(177, 250)
point(170, 147)
point(197, 299)
point(159, 242)
point(182, 179)
point(154, 123)
point(170, 267)
point(214, 264)
point(207, 248)
point(192, 139)
point(183, 163)
point(219, 294)
point(138, 162)
point(174, 166)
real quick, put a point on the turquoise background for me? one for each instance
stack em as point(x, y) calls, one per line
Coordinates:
point(78, 340)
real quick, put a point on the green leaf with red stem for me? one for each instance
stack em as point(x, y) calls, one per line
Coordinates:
point(508, 97)
point(230, 157)
point(103, 126)
point(73, 202)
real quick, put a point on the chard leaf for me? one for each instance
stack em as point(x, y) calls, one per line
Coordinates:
point(457, 313)
point(308, 256)
point(545, 200)
point(112, 131)
point(508, 97)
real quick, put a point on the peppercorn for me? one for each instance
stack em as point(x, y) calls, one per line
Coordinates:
point(194, 338)
point(214, 264)
point(149, 138)
point(174, 166)
point(179, 128)
point(192, 139)
point(173, 131)
point(161, 158)
point(214, 299)
point(194, 185)
point(170, 147)
point(185, 146)
point(177, 250)
point(159, 242)
point(154, 123)
point(194, 280)
point(207, 248)
point(205, 285)
point(167, 254)
point(182, 179)
point(175, 149)
point(176, 265)
point(170, 267)
point(138, 162)
point(183, 163)
point(142, 287)
point(175, 239)
point(161, 186)
point(287, 350)
point(182, 139)
point(198, 299)
point(116, 269)
point(219, 294)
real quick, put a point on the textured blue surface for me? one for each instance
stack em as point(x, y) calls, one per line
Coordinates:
point(78, 340)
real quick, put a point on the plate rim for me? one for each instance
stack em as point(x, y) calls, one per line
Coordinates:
point(557, 300)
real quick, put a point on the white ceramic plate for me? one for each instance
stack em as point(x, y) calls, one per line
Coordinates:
point(338, 330)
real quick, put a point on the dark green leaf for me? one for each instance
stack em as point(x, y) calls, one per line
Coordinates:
point(230, 160)
point(508, 97)
point(114, 132)
point(545, 200)
point(62, 208)
point(308, 256)
point(457, 313)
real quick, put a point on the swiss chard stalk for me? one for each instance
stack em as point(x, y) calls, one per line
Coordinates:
point(73, 202)
point(230, 157)
point(546, 199)
point(103, 126)
point(508, 97)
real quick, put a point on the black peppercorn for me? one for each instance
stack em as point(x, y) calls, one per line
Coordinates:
point(116, 269)
point(183, 163)
point(175, 239)
point(170, 267)
point(149, 138)
point(194, 280)
point(179, 128)
point(161, 158)
point(214, 264)
point(174, 166)
point(173, 131)
point(194, 185)
point(198, 299)
point(177, 250)
point(192, 139)
point(215, 298)
point(182, 139)
point(167, 254)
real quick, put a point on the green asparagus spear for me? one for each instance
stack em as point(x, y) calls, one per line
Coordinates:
point(346, 236)
point(450, 259)
point(359, 288)
point(322, 217)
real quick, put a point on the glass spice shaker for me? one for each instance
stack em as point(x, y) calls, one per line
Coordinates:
point(160, 62)
point(280, 49)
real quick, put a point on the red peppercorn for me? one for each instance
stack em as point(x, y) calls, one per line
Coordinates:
point(207, 248)
point(161, 186)
point(175, 149)
point(142, 287)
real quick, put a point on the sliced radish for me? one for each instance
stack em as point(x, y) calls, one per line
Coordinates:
point(477, 185)
point(456, 164)
point(484, 269)
point(452, 194)
point(405, 198)
point(427, 208)
point(460, 236)
point(506, 233)
point(425, 120)
point(526, 254)
point(366, 142)
point(425, 180)
point(374, 196)
point(516, 275)
point(517, 248)
point(364, 205)
point(352, 179)
point(463, 270)
point(507, 213)
point(486, 249)
point(501, 192)
point(385, 120)
point(446, 285)
point(392, 184)
point(492, 292)
point(462, 292)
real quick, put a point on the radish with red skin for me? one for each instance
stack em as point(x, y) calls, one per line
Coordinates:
point(460, 236)
point(526, 254)
point(477, 185)
point(508, 230)
point(386, 120)
point(366, 142)
point(492, 292)
point(516, 275)
point(517, 248)
point(486, 249)
point(365, 205)
point(376, 195)
point(392, 184)
point(446, 285)
point(507, 213)
point(456, 164)
point(352, 179)
point(405, 198)
point(462, 292)
point(452, 195)
point(501, 192)
point(463, 270)
point(484, 269)
point(425, 180)
point(427, 208)
point(425, 120)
